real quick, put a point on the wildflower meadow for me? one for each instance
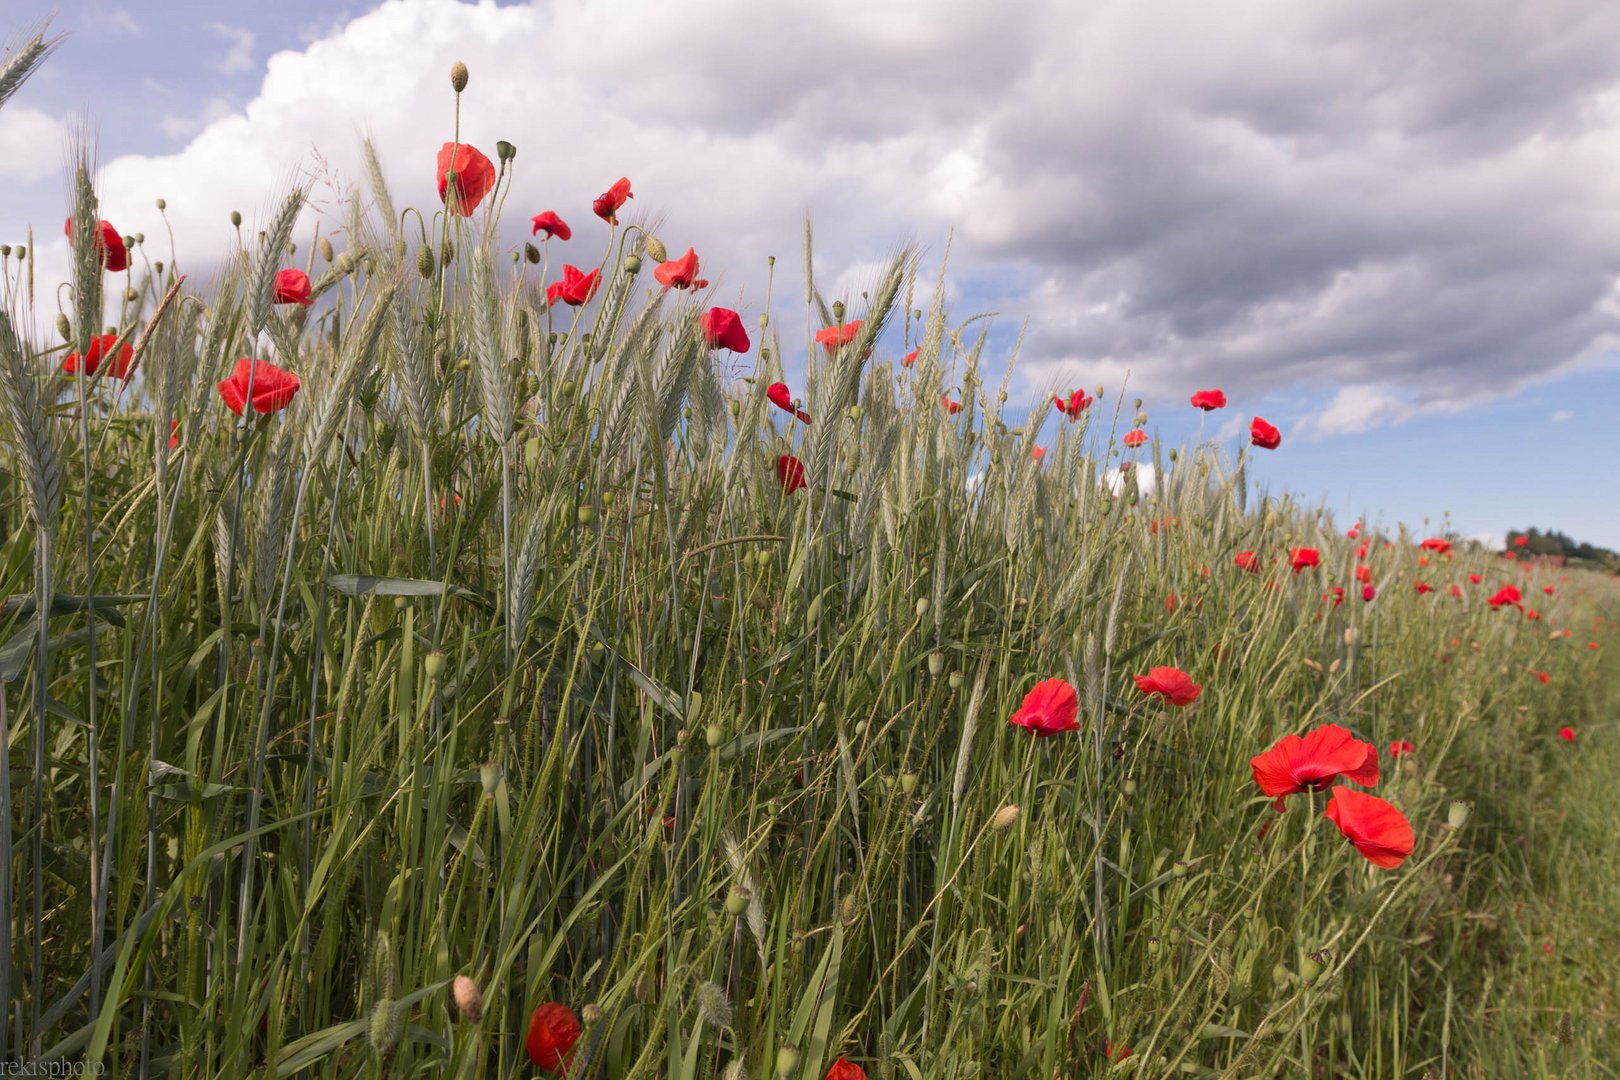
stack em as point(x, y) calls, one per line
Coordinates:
point(425, 656)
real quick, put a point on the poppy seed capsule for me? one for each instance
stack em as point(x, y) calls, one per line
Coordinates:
point(433, 664)
point(838, 311)
point(713, 735)
point(591, 1013)
point(908, 782)
point(936, 663)
point(504, 150)
point(162, 205)
point(737, 900)
point(921, 607)
point(469, 1002)
point(1130, 785)
point(236, 218)
point(1457, 814)
point(458, 78)
point(655, 248)
point(787, 1060)
point(632, 264)
point(955, 680)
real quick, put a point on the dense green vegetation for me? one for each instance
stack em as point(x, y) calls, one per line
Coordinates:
point(501, 649)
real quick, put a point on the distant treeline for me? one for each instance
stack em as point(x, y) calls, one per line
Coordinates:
point(1553, 542)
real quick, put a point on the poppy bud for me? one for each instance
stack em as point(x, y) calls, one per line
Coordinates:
point(591, 1013)
point(1004, 817)
point(713, 735)
point(908, 782)
point(424, 261)
point(324, 246)
point(131, 295)
point(458, 77)
point(504, 150)
point(632, 264)
point(655, 248)
point(531, 253)
point(787, 1060)
point(1281, 977)
point(764, 557)
point(737, 900)
point(955, 680)
point(860, 727)
point(1138, 403)
point(433, 664)
point(236, 218)
point(469, 1002)
point(1129, 786)
point(64, 327)
point(447, 251)
point(764, 352)
point(1457, 814)
point(936, 663)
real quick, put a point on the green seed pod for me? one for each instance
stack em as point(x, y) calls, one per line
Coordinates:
point(1179, 869)
point(22, 253)
point(765, 353)
point(787, 1060)
point(936, 663)
point(713, 735)
point(764, 557)
point(591, 1013)
point(838, 311)
point(1457, 814)
point(921, 606)
point(598, 651)
point(531, 454)
point(324, 246)
point(433, 664)
point(162, 205)
point(1154, 946)
point(131, 295)
point(860, 728)
point(400, 602)
point(424, 261)
point(236, 218)
point(632, 264)
point(458, 78)
point(1310, 967)
point(504, 150)
point(586, 514)
point(1129, 786)
point(737, 900)
point(1281, 977)
point(955, 679)
point(908, 782)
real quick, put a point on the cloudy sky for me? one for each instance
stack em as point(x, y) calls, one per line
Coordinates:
point(1392, 229)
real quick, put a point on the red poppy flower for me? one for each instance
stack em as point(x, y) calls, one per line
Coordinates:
point(1303, 557)
point(1474, 579)
point(833, 336)
point(782, 398)
point(1548, 589)
point(606, 205)
point(1520, 541)
point(1592, 645)
point(951, 407)
point(552, 224)
point(1456, 591)
point(1363, 573)
point(723, 329)
point(114, 255)
point(843, 1069)
point(1423, 560)
point(292, 287)
point(910, 358)
point(1377, 829)
point(1567, 734)
point(553, 1031)
point(1544, 677)
point(680, 273)
point(1368, 592)
point(790, 473)
point(1436, 545)
point(1355, 531)
point(1172, 684)
point(1135, 437)
point(475, 176)
point(1423, 587)
point(1361, 552)
point(1337, 592)
point(101, 348)
point(1509, 555)
point(1038, 453)
point(1113, 1054)
point(1264, 435)
point(576, 288)
point(1247, 560)
point(273, 388)
point(1533, 615)
point(1209, 399)
point(1507, 594)
point(174, 434)
point(1075, 406)
point(1295, 765)
point(1399, 747)
point(1050, 707)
